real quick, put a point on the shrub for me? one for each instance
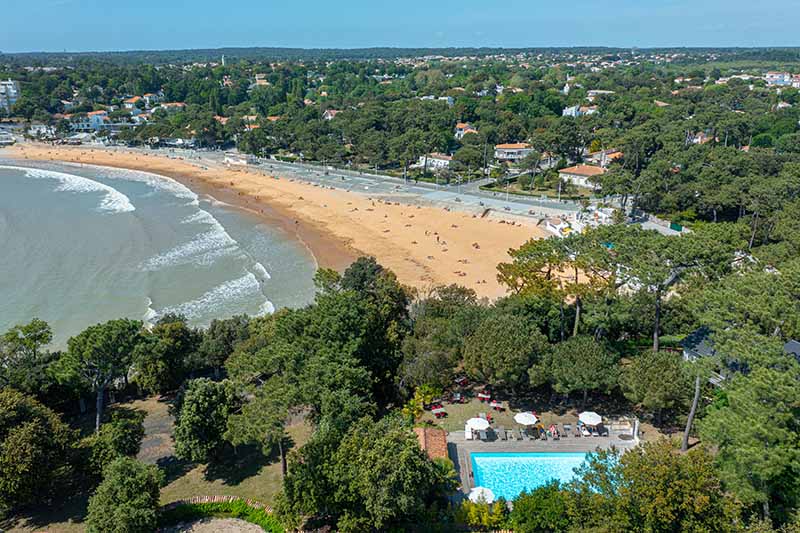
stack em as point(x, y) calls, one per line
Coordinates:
point(190, 512)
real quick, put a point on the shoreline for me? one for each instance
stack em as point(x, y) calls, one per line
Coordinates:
point(424, 246)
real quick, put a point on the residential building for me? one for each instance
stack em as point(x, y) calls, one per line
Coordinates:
point(151, 99)
point(512, 152)
point(604, 158)
point(463, 128)
point(579, 111)
point(434, 161)
point(9, 94)
point(582, 175)
point(67, 106)
point(796, 81)
point(781, 79)
point(330, 114)
point(172, 107)
point(131, 103)
point(594, 93)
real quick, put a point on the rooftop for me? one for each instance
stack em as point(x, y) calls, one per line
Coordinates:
point(583, 170)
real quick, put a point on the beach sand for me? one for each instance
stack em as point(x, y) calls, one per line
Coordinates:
point(425, 246)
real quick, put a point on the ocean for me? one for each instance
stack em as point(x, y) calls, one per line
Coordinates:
point(83, 244)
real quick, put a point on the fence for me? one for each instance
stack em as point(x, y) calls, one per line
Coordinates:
point(217, 499)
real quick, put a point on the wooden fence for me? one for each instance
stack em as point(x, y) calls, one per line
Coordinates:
point(217, 499)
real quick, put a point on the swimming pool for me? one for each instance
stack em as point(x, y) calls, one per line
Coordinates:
point(508, 474)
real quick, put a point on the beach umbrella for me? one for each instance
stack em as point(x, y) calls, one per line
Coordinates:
point(481, 494)
point(526, 419)
point(478, 424)
point(590, 418)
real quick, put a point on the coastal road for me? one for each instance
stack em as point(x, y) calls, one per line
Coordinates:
point(467, 197)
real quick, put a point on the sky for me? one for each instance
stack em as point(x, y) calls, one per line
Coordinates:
point(100, 25)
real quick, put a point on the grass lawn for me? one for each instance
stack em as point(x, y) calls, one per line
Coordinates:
point(578, 193)
point(247, 474)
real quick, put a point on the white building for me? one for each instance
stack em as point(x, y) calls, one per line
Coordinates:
point(512, 152)
point(581, 175)
point(778, 78)
point(463, 128)
point(434, 161)
point(9, 94)
point(330, 114)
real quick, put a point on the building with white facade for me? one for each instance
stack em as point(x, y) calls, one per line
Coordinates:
point(512, 152)
point(434, 161)
point(9, 94)
point(581, 175)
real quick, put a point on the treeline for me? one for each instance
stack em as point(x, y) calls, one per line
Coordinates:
point(593, 316)
point(385, 53)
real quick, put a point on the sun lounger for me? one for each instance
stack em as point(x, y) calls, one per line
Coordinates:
point(468, 435)
point(501, 431)
point(517, 434)
point(585, 432)
point(482, 434)
point(603, 431)
point(595, 433)
point(567, 429)
point(482, 415)
point(523, 435)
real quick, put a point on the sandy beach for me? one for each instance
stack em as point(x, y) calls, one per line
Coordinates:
point(424, 246)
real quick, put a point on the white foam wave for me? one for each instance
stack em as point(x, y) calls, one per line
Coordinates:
point(200, 217)
point(113, 200)
point(150, 315)
point(266, 308)
point(230, 291)
point(203, 250)
point(156, 181)
point(259, 268)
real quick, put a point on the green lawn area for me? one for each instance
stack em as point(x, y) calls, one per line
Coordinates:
point(577, 193)
point(247, 473)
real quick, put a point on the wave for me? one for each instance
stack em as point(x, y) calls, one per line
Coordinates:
point(155, 181)
point(150, 316)
point(113, 200)
point(203, 250)
point(259, 268)
point(230, 291)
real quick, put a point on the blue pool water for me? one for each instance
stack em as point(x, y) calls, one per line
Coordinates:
point(508, 474)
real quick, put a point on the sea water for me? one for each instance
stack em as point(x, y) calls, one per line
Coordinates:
point(82, 244)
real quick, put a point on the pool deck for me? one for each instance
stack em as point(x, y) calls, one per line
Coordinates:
point(460, 449)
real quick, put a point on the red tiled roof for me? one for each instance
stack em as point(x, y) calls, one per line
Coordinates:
point(583, 170)
point(433, 441)
point(512, 146)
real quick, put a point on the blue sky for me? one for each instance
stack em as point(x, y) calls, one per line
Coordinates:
point(83, 25)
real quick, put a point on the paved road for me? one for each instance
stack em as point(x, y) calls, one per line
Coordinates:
point(462, 197)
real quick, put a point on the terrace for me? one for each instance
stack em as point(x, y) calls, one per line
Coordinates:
point(617, 431)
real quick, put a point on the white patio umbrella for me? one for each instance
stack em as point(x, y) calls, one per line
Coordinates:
point(481, 494)
point(478, 424)
point(526, 419)
point(590, 418)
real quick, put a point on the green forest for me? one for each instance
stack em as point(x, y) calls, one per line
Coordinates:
point(330, 393)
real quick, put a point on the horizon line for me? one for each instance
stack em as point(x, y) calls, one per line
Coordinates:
point(403, 48)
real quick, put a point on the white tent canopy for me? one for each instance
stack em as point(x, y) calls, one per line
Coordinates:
point(481, 494)
point(590, 418)
point(478, 424)
point(526, 419)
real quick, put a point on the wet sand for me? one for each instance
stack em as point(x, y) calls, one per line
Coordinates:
point(425, 246)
